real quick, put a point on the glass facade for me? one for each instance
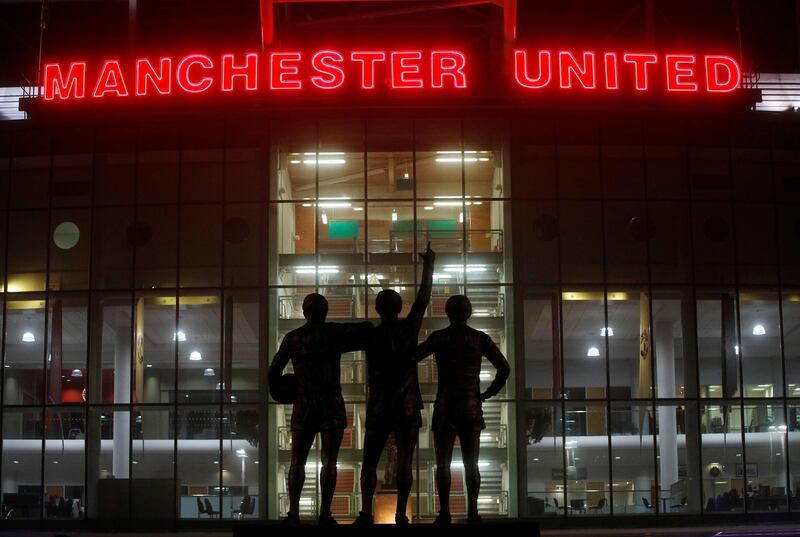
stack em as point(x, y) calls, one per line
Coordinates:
point(641, 275)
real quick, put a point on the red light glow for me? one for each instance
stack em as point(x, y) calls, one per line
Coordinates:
point(386, 71)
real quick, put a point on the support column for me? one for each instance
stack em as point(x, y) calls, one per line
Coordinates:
point(122, 420)
point(692, 419)
point(667, 423)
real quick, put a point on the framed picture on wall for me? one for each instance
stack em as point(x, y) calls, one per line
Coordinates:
point(751, 469)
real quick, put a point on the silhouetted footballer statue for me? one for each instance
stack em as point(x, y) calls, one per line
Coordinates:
point(395, 401)
point(315, 350)
point(458, 407)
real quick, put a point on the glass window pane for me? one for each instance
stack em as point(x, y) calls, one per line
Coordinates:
point(22, 463)
point(723, 489)
point(70, 237)
point(673, 329)
point(670, 238)
point(633, 460)
point(764, 470)
point(341, 242)
point(246, 173)
point(30, 180)
point(544, 461)
point(155, 236)
point(241, 464)
point(108, 448)
point(535, 252)
point(242, 366)
point(791, 342)
point(114, 167)
point(294, 170)
point(158, 164)
point(390, 161)
point(713, 243)
point(72, 180)
point(391, 242)
point(439, 159)
point(199, 373)
point(629, 345)
point(541, 345)
point(760, 347)
point(198, 430)
point(678, 459)
point(27, 251)
point(152, 467)
point(666, 172)
point(201, 248)
point(341, 160)
point(155, 347)
point(623, 171)
point(586, 453)
point(793, 449)
point(582, 318)
point(64, 464)
point(486, 236)
point(245, 245)
point(717, 345)
point(628, 229)
point(578, 170)
point(24, 354)
point(293, 236)
point(581, 240)
point(114, 236)
point(66, 360)
point(201, 168)
point(534, 169)
point(483, 159)
point(756, 253)
point(109, 379)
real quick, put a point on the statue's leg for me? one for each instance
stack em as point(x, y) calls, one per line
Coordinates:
point(374, 441)
point(470, 448)
point(331, 441)
point(301, 445)
point(443, 445)
point(406, 443)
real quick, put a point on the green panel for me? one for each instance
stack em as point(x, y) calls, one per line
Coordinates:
point(405, 228)
point(343, 229)
point(442, 229)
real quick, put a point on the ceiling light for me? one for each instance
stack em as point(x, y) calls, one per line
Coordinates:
point(324, 219)
point(208, 372)
point(195, 356)
point(759, 330)
point(460, 218)
point(358, 208)
point(394, 215)
point(77, 373)
point(607, 331)
point(460, 269)
point(485, 375)
point(28, 337)
point(736, 349)
point(593, 352)
point(440, 277)
point(149, 365)
point(241, 453)
point(179, 336)
point(428, 207)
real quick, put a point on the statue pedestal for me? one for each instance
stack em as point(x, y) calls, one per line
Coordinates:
point(386, 505)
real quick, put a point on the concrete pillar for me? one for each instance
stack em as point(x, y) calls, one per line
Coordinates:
point(667, 425)
point(122, 420)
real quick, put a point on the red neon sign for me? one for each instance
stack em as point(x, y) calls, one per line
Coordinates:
point(401, 71)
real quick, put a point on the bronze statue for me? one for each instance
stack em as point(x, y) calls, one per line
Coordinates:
point(458, 407)
point(395, 400)
point(315, 350)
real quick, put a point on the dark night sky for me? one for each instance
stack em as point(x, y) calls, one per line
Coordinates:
point(769, 27)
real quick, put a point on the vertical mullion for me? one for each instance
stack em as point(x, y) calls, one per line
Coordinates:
point(414, 267)
point(654, 395)
point(598, 132)
point(560, 320)
point(223, 320)
point(176, 347)
point(45, 336)
point(89, 313)
point(132, 312)
point(5, 298)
